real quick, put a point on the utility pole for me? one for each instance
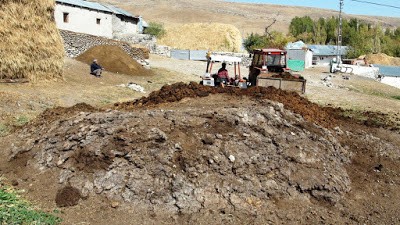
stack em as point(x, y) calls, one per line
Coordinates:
point(339, 38)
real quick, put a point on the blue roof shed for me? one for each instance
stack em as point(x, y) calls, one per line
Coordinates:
point(327, 50)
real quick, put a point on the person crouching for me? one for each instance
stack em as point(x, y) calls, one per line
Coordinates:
point(96, 69)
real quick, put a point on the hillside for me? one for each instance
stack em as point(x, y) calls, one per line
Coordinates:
point(246, 17)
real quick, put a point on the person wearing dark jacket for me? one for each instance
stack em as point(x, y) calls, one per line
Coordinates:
point(96, 69)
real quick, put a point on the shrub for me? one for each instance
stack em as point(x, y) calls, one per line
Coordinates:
point(155, 29)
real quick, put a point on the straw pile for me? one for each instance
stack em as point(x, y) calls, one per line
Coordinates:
point(382, 59)
point(31, 46)
point(201, 36)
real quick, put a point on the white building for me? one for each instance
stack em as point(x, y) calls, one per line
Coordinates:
point(324, 54)
point(95, 19)
point(299, 56)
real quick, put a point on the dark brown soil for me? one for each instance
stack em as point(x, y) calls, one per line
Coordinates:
point(68, 196)
point(325, 116)
point(113, 59)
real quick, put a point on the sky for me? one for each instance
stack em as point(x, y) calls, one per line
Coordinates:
point(350, 6)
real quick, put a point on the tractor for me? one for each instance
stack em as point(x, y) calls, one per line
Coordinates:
point(269, 68)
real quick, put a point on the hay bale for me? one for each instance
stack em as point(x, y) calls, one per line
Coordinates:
point(382, 59)
point(31, 46)
point(114, 59)
point(210, 36)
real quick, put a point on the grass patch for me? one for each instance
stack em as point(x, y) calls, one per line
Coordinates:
point(14, 210)
point(396, 97)
point(21, 120)
point(3, 130)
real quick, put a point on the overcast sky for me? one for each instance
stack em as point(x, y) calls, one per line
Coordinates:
point(350, 7)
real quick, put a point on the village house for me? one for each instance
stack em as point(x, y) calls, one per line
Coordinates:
point(324, 54)
point(97, 19)
point(299, 56)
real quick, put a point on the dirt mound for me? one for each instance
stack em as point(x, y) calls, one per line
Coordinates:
point(291, 100)
point(251, 159)
point(203, 36)
point(235, 156)
point(237, 159)
point(382, 59)
point(53, 114)
point(113, 59)
point(67, 196)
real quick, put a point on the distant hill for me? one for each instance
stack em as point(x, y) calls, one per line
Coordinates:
point(245, 16)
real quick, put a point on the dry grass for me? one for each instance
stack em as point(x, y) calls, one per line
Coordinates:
point(203, 36)
point(383, 59)
point(31, 45)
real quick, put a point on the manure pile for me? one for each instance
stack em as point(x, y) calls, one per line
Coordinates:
point(31, 46)
point(245, 158)
point(203, 36)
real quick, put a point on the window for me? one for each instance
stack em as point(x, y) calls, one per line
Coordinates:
point(98, 20)
point(66, 17)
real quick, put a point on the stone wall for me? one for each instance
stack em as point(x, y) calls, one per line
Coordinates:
point(77, 43)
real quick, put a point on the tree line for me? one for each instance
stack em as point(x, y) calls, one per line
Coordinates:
point(362, 37)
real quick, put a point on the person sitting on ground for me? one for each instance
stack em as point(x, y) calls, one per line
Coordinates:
point(223, 76)
point(96, 69)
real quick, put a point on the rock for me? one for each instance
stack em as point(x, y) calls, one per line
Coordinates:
point(115, 204)
point(232, 158)
point(208, 140)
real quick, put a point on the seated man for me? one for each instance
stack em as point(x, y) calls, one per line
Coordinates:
point(223, 77)
point(96, 69)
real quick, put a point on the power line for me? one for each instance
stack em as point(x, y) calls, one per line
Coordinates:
point(379, 4)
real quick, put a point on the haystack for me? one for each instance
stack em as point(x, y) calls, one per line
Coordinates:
point(203, 36)
point(31, 46)
point(114, 59)
point(382, 59)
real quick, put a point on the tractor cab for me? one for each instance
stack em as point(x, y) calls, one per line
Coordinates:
point(267, 62)
point(213, 78)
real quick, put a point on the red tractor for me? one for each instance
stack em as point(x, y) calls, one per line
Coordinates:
point(269, 68)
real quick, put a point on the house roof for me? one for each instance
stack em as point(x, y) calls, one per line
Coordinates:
point(296, 45)
point(389, 71)
point(327, 50)
point(119, 11)
point(96, 6)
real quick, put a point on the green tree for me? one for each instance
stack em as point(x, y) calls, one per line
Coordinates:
point(331, 30)
point(254, 41)
point(319, 32)
point(300, 25)
point(155, 29)
point(271, 40)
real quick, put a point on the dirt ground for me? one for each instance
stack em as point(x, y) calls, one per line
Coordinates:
point(187, 154)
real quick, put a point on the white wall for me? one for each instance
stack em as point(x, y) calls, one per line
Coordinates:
point(308, 59)
point(121, 28)
point(324, 60)
point(392, 81)
point(84, 21)
point(365, 71)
